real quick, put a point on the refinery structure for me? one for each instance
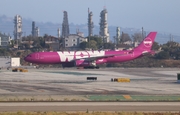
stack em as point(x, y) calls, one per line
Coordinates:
point(17, 27)
point(118, 34)
point(65, 25)
point(59, 33)
point(103, 25)
point(35, 30)
point(104, 32)
point(70, 40)
point(90, 23)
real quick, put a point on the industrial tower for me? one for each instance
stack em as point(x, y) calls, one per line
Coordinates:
point(118, 35)
point(58, 33)
point(35, 30)
point(17, 27)
point(90, 23)
point(104, 26)
point(65, 25)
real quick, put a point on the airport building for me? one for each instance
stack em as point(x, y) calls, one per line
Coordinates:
point(5, 62)
point(73, 40)
point(53, 43)
point(4, 40)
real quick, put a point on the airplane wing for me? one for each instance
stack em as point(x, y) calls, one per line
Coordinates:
point(92, 58)
point(148, 53)
point(145, 53)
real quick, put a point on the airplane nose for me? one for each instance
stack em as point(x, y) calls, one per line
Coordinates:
point(25, 58)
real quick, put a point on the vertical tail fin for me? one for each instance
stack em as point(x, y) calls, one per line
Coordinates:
point(147, 43)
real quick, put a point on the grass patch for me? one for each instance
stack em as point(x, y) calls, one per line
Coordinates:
point(132, 98)
point(156, 98)
point(79, 98)
point(106, 98)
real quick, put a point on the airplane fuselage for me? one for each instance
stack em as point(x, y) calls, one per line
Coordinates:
point(65, 56)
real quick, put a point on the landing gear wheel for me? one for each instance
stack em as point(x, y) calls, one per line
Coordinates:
point(97, 67)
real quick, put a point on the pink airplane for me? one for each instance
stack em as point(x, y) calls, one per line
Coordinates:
point(91, 59)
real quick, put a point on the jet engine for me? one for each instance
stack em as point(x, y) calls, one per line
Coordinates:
point(84, 63)
point(81, 63)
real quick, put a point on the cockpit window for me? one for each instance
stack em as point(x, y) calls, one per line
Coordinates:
point(29, 56)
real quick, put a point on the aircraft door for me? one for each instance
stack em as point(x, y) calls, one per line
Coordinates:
point(37, 56)
point(132, 54)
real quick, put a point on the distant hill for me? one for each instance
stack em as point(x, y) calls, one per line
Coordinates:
point(7, 26)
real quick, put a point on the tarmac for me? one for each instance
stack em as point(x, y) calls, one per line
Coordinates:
point(99, 107)
point(59, 84)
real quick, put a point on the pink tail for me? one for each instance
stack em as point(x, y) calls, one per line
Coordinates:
point(147, 43)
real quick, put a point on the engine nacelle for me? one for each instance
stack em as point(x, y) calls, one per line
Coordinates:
point(84, 63)
point(101, 61)
point(69, 64)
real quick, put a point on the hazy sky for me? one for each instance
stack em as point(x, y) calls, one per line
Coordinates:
point(153, 15)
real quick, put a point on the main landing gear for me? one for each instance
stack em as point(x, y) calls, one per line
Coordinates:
point(92, 67)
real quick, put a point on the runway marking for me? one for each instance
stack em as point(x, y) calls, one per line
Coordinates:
point(127, 96)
